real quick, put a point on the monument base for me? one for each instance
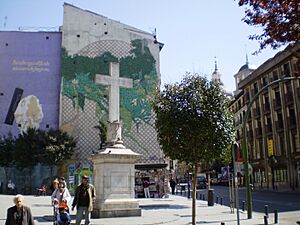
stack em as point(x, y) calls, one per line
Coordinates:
point(118, 208)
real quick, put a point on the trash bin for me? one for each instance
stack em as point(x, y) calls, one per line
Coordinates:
point(210, 198)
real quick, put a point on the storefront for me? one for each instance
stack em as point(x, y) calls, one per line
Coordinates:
point(158, 177)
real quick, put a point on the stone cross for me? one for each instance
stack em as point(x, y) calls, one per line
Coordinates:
point(114, 81)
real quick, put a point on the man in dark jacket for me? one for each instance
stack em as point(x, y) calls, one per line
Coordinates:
point(19, 214)
point(84, 198)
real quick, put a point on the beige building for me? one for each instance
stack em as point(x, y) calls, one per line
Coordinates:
point(273, 124)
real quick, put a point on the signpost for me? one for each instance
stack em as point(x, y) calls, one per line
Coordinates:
point(240, 167)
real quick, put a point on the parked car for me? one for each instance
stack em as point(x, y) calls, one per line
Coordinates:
point(201, 182)
point(214, 181)
point(182, 184)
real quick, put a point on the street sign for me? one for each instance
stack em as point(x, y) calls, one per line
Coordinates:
point(270, 147)
point(240, 168)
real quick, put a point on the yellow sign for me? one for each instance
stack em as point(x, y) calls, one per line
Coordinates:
point(270, 147)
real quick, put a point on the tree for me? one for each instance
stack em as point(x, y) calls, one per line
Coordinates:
point(279, 19)
point(58, 146)
point(102, 128)
point(193, 123)
point(28, 150)
point(7, 148)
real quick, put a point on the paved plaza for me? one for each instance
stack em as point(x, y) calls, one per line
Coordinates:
point(175, 210)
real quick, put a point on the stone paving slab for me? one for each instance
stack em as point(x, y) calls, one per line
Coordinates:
point(175, 210)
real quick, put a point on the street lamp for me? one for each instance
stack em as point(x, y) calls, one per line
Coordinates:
point(273, 161)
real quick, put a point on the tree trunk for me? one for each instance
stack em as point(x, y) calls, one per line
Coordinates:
point(30, 180)
point(194, 194)
point(51, 172)
point(6, 180)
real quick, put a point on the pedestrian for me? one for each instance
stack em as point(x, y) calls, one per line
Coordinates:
point(19, 214)
point(54, 185)
point(146, 188)
point(173, 185)
point(63, 217)
point(11, 187)
point(62, 179)
point(61, 194)
point(84, 198)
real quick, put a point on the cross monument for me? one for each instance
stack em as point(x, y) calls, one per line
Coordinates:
point(114, 172)
point(114, 81)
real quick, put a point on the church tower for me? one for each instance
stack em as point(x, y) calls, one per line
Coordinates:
point(216, 76)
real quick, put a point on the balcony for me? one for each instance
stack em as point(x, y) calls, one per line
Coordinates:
point(279, 125)
point(249, 117)
point(292, 122)
point(250, 135)
point(266, 108)
point(289, 98)
point(277, 104)
point(258, 132)
point(268, 129)
point(256, 113)
point(246, 98)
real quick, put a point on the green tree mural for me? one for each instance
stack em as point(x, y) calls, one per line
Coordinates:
point(79, 72)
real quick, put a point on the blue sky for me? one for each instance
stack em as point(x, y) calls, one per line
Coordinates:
point(193, 31)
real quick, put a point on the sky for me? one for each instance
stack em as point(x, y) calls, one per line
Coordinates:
point(194, 32)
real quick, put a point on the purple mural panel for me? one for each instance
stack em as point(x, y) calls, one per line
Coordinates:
point(29, 80)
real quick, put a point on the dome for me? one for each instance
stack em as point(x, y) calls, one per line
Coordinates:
point(247, 66)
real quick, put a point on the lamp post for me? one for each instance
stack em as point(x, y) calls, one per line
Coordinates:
point(272, 161)
point(244, 144)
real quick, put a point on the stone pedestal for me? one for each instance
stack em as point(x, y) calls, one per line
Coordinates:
point(114, 180)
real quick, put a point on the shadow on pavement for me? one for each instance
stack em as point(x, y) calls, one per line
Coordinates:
point(162, 206)
point(49, 218)
point(215, 221)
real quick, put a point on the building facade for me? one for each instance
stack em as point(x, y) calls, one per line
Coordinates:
point(273, 124)
point(29, 92)
point(88, 47)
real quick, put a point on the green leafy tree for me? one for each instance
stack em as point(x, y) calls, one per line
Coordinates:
point(28, 151)
point(193, 123)
point(279, 19)
point(102, 128)
point(7, 148)
point(58, 147)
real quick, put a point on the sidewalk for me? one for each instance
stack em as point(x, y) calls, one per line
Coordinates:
point(175, 210)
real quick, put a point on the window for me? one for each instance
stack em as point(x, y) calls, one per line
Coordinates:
point(286, 70)
point(275, 75)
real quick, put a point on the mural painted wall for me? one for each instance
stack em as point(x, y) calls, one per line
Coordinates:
point(30, 81)
point(88, 47)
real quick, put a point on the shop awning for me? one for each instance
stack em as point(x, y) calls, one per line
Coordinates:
point(150, 166)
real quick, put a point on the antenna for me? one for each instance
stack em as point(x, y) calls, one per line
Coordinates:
point(5, 21)
point(247, 61)
point(154, 34)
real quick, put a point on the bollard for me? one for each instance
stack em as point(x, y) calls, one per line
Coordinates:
point(221, 201)
point(265, 220)
point(267, 210)
point(275, 216)
point(243, 206)
point(217, 199)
